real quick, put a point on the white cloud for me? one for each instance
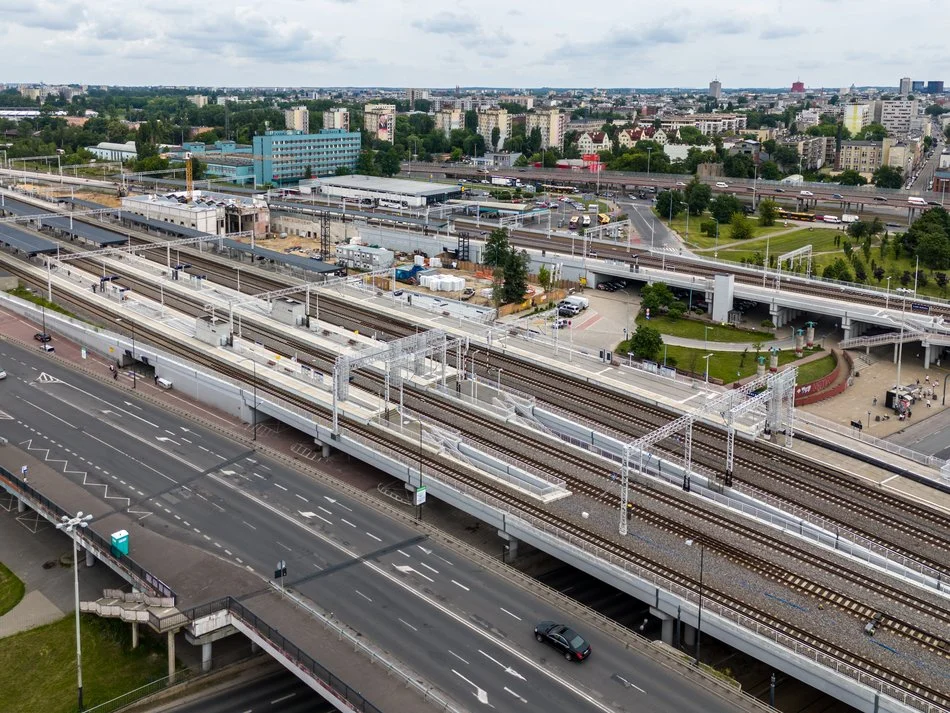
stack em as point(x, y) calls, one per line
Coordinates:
point(354, 42)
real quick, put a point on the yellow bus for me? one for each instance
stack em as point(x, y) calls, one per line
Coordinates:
point(603, 219)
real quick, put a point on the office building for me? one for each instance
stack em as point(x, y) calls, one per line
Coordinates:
point(552, 123)
point(905, 87)
point(856, 116)
point(488, 121)
point(380, 120)
point(448, 120)
point(413, 94)
point(715, 89)
point(336, 118)
point(297, 119)
point(897, 115)
point(916, 86)
point(934, 87)
point(798, 87)
point(287, 156)
point(199, 100)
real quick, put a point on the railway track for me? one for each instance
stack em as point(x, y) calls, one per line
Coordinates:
point(527, 508)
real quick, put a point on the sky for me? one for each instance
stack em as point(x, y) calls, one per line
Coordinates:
point(419, 43)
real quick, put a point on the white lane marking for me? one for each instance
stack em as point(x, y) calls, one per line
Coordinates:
point(280, 486)
point(51, 415)
point(458, 584)
point(302, 498)
point(408, 624)
point(480, 694)
point(248, 524)
point(196, 530)
point(170, 433)
point(459, 657)
point(228, 552)
point(320, 517)
point(342, 519)
point(258, 475)
point(446, 561)
point(362, 595)
point(333, 501)
point(378, 539)
point(510, 614)
point(441, 608)
point(283, 698)
point(520, 698)
point(204, 449)
point(406, 569)
point(283, 545)
point(217, 545)
point(186, 440)
point(629, 684)
point(508, 669)
point(428, 552)
point(320, 507)
point(206, 537)
point(431, 569)
point(404, 554)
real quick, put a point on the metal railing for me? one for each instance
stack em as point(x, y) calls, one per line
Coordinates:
point(88, 537)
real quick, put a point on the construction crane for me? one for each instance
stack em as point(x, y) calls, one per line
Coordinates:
point(189, 178)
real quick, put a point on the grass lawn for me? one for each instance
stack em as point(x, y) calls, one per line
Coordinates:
point(814, 370)
point(700, 241)
point(821, 240)
point(722, 365)
point(11, 590)
point(695, 329)
point(39, 665)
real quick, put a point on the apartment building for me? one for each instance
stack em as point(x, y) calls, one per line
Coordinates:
point(715, 89)
point(413, 94)
point(199, 100)
point(807, 118)
point(865, 157)
point(815, 151)
point(591, 142)
point(380, 120)
point(897, 116)
point(525, 100)
point(905, 86)
point(488, 120)
point(552, 123)
point(297, 119)
point(708, 124)
point(288, 156)
point(336, 118)
point(448, 120)
point(856, 116)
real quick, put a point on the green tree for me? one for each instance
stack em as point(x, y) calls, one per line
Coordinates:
point(768, 211)
point(655, 297)
point(860, 270)
point(388, 162)
point(456, 154)
point(933, 248)
point(871, 132)
point(198, 169)
point(497, 248)
point(343, 171)
point(850, 177)
point(941, 279)
point(723, 206)
point(888, 177)
point(495, 136)
point(698, 196)
point(515, 271)
point(770, 171)
point(878, 274)
point(738, 165)
point(676, 309)
point(646, 343)
point(669, 203)
point(471, 120)
point(544, 277)
point(366, 164)
point(740, 228)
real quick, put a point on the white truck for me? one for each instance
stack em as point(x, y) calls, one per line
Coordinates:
point(848, 218)
point(576, 300)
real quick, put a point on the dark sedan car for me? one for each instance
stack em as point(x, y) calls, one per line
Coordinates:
point(565, 640)
point(42, 337)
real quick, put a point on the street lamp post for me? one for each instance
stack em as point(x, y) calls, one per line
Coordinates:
point(132, 328)
point(706, 329)
point(649, 154)
point(69, 525)
point(900, 345)
point(699, 615)
point(887, 295)
point(707, 357)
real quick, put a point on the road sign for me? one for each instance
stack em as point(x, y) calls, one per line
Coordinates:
point(281, 570)
point(420, 495)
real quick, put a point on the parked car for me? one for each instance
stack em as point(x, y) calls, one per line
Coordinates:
point(3, 375)
point(47, 347)
point(780, 190)
point(721, 184)
point(560, 323)
point(680, 183)
point(882, 199)
point(565, 640)
point(42, 337)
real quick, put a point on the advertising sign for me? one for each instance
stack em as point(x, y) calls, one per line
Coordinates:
point(420, 495)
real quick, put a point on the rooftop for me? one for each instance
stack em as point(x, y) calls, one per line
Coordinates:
point(229, 160)
point(386, 185)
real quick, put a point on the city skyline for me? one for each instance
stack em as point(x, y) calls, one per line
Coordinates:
point(824, 43)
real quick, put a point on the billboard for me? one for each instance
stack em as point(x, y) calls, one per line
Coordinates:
point(591, 157)
point(384, 129)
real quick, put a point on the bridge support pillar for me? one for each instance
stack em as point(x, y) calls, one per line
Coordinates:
point(896, 344)
point(254, 648)
point(667, 623)
point(20, 506)
point(135, 634)
point(206, 657)
point(90, 559)
point(325, 447)
point(509, 552)
point(171, 656)
point(846, 327)
point(689, 635)
point(926, 356)
point(779, 315)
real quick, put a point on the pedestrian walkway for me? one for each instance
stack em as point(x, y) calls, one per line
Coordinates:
point(713, 346)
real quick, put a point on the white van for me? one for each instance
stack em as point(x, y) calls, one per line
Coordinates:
point(832, 219)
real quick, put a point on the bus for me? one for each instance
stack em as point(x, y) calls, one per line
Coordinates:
point(391, 203)
point(914, 200)
point(603, 219)
point(558, 190)
point(793, 215)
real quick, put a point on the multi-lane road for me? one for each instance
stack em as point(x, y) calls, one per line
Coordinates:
point(277, 691)
point(459, 626)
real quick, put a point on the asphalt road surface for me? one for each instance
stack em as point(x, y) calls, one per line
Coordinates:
point(280, 692)
point(462, 629)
